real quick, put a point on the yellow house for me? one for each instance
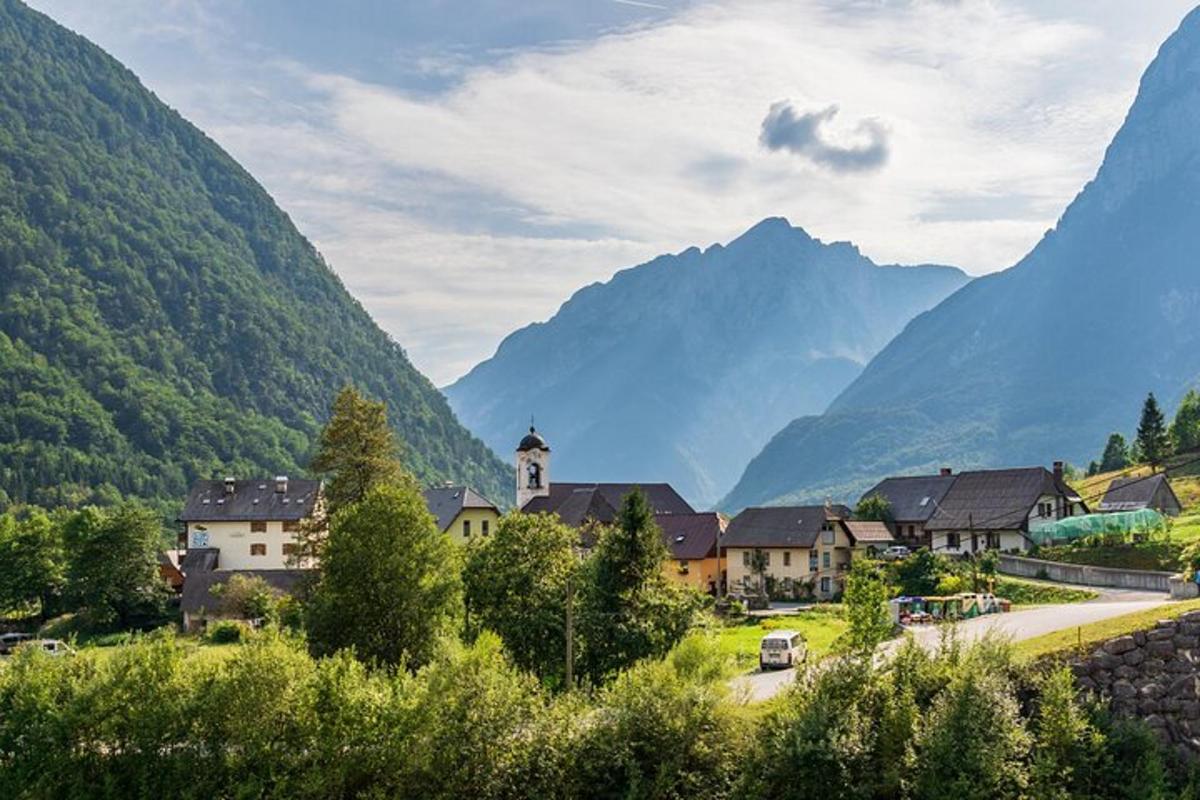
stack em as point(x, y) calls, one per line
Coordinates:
point(462, 512)
point(801, 550)
point(693, 542)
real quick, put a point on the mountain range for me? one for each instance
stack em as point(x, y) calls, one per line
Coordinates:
point(1041, 361)
point(161, 319)
point(681, 368)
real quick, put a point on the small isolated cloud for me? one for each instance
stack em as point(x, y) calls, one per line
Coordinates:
point(784, 129)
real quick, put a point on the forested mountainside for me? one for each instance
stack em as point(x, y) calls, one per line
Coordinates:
point(1039, 362)
point(680, 369)
point(161, 319)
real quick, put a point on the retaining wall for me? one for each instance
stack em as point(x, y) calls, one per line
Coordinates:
point(1154, 675)
point(1085, 575)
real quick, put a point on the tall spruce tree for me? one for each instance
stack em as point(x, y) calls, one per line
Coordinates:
point(1152, 439)
point(357, 450)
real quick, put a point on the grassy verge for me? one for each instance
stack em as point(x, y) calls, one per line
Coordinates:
point(1160, 556)
point(1035, 593)
point(821, 626)
point(1085, 637)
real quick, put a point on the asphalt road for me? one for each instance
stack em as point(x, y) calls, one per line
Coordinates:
point(1016, 625)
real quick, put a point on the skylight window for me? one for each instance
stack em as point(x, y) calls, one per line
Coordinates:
point(679, 538)
point(924, 501)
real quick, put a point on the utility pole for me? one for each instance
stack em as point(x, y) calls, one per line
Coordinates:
point(570, 632)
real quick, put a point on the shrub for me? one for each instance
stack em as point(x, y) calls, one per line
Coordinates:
point(228, 631)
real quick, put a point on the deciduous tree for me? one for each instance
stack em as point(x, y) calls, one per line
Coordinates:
point(865, 601)
point(874, 507)
point(114, 563)
point(1185, 428)
point(390, 582)
point(516, 585)
point(32, 562)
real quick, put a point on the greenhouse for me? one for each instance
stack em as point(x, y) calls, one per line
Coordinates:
point(1072, 528)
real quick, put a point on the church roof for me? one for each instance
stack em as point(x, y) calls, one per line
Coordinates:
point(532, 441)
point(576, 503)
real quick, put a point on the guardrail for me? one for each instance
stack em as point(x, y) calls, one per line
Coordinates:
point(1085, 575)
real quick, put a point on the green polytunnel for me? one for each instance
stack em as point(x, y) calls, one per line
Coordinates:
point(1144, 520)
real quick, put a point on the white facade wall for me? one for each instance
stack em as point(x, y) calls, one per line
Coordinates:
point(799, 569)
point(234, 540)
point(1007, 540)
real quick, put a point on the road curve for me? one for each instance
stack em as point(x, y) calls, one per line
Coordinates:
point(1017, 626)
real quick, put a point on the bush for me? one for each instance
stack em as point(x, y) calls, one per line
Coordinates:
point(228, 631)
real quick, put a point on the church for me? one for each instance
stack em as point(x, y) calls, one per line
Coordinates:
point(691, 537)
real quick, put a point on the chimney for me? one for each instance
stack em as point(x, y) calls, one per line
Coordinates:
point(229, 486)
point(281, 484)
point(1058, 470)
point(947, 472)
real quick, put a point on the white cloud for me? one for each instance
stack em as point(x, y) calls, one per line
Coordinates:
point(459, 215)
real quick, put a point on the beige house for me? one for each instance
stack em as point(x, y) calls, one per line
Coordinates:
point(462, 512)
point(804, 550)
point(248, 527)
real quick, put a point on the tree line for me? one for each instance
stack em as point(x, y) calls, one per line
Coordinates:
point(1156, 441)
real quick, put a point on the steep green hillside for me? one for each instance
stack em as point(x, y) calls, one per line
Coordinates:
point(161, 318)
point(1042, 361)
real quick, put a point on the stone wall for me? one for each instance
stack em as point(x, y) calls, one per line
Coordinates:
point(1085, 575)
point(1154, 675)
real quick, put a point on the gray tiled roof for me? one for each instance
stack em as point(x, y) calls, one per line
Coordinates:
point(208, 501)
point(576, 503)
point(913, 499)
point(1132, 493)
point(198, 585)
point(780, 526)
point(445, 502)
point(690, 537)
point(995, 499)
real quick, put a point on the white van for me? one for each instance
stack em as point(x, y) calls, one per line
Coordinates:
point(782, 649)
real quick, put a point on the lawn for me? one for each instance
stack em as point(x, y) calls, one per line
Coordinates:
point(1159, 555)
point(821, 626)
point(1083, 638)
point(1034, 593)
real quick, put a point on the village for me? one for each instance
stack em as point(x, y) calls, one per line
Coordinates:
point(780, 564)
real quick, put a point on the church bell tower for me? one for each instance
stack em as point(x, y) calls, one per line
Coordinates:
point(533, 468)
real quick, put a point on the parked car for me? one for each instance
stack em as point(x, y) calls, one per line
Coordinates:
point(895, 553)
point(9, 641)
point(55, 647)
point(782, 649)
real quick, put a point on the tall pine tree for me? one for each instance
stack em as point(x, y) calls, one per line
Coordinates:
point(1152, 439)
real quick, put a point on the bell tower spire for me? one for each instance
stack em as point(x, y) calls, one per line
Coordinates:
point(533, 467)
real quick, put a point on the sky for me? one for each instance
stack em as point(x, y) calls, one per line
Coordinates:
point(466, 166)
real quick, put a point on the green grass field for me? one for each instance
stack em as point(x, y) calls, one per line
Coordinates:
point(1083, 638)
point(1035, 593)
point(821, 626)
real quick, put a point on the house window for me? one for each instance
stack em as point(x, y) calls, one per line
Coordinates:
point(258, 527)
point(912, 531)
point(951, 541)
point(289, 549)
point(827, 533)
point(826, 585)
point(787, 558)
point(812, 560)
point(745, 558)
point(258, 549)
point(483, 527)
point(825, 560)
point(766, 557)
point(291, 526)
point(993, 541)
point(467, 528)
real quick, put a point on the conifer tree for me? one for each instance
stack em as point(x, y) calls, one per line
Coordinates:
point(1152, 439)
point(357, 450)
point(1116, 454)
